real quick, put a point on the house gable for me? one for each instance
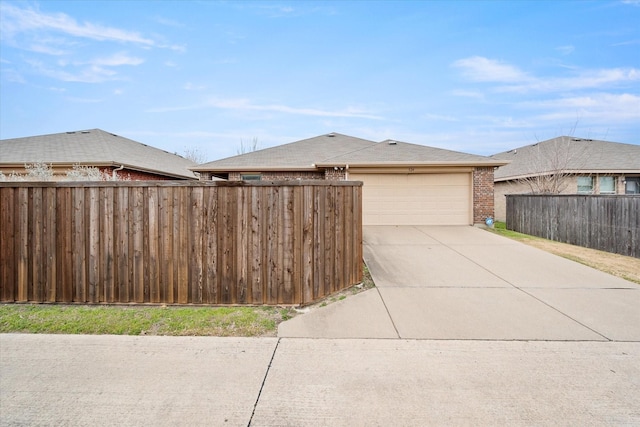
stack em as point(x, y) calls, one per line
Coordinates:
point(95, 148)
point(570, 155)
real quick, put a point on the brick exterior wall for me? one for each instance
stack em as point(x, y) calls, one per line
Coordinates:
point(280, 175)
point(335, 175)
point(205, 176)
point(482, 194)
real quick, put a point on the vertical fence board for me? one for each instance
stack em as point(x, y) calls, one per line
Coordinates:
point(348, 227)
point(64, 231)
point(319, 241)
point(151, 243)
point(107, 265)
point(7, 245)
point(195, 246)
point(95, 281)
point(339, 240)
point(226, 231)
point(78, 245)
point(287, 247)
point(136, 226)
point(122, 244)
point(23, 245)
point(167, 282)
point(358, 262)
point(49, 244)
point(329, 259)
point(36, 245)
point(210, 256)
point(241, 255)
point(182, 248)
point(298, 244)
point(273, 262)
point(307, 244)
point(256, 241)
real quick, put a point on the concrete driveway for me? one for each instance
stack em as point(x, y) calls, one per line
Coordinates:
point(439, 282)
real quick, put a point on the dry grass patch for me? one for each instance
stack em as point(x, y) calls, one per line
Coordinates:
point(625, 267)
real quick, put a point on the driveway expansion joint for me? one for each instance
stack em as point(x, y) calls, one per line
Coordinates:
point(264, 380)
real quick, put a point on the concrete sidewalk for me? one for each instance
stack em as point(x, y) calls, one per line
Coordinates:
point(466, 283)
point(174, 381)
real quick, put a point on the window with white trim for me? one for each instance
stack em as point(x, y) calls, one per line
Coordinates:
point(585, 185)
point(607, 185)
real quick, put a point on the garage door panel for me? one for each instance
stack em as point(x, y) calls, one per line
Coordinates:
point(417, 199)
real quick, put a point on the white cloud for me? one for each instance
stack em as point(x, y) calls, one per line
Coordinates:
point(117, 60)
point(191, 86)
point(593, 108)
point(565, 50)
point(586, 79)
point(439, 117)
point(246, 105)
point(467, 93)
point(627, 43)
point(243, 104)
point(49, 50)
point(480, 69)
point(167, 22)
point(17, 20)
point(89, 74)
point(511, 79)
point(13, 76)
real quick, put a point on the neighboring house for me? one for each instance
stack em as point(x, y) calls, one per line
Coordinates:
point(567, 165)
point(110, 153)
point(403, 183)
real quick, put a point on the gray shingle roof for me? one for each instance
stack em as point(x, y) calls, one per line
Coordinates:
point(572, 155)
point(392, 152)
point(93, 147)
point(336, 149)
point(299, 155)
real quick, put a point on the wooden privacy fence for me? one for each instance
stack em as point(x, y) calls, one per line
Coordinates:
point(289, 242)
point(609, 223)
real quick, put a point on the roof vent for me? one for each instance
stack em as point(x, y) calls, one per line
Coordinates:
point(70, 133)
point(392, 142)
point(331, 135)
point(85, 131)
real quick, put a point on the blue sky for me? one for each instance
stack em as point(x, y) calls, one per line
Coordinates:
point(474, 76)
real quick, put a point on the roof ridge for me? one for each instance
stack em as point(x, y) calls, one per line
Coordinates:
point(354, 151)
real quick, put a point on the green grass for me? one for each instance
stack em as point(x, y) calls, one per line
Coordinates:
point(500, 227)
point(150, 320)
point(137, 320)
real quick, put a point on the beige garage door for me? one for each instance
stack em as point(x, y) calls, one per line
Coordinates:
point(415, 199)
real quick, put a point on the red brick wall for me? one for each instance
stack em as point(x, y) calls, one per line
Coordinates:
point(482, 194)
point(281, 175)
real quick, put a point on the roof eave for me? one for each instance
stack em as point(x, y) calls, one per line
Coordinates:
point(570, 172)
point(412, 164)
point(254, 169)
point(103, 164)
